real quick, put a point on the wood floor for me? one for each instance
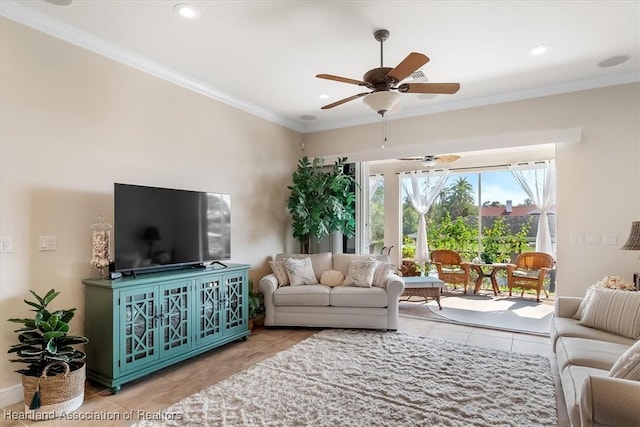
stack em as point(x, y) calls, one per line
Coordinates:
point(148, 396)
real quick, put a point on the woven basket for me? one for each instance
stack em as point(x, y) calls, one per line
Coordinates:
point(59, 394)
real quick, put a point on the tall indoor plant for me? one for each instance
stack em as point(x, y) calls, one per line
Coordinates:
point(322, 201)
point(55, 374)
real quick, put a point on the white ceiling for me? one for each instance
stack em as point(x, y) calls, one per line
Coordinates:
point(262, 56)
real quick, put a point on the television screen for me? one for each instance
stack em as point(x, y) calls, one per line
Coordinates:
point(162, 228)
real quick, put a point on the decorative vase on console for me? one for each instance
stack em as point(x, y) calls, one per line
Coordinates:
point(101, 241)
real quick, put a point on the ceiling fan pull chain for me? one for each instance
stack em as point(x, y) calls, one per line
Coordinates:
point(384, 130)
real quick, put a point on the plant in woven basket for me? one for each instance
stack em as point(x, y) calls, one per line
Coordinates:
point(45, 344)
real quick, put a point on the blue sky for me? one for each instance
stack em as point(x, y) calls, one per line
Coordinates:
point(496, 186)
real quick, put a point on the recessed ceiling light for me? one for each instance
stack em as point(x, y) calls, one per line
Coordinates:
point(187, 11)
point(324, 96)
point(539, 50)
point(307, 117)
point(613, 61)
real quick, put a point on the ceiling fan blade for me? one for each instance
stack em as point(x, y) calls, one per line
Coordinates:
point(448, 158)
point(411, 63)
point(446, 88)
point(412, 159)
point(341, 79)
point(342, 101)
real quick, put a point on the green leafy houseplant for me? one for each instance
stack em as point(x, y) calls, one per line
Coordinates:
point(45, 338)
point(322, 201)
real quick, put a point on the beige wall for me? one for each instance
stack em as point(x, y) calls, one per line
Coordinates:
point(73, 123)
point(598, 177)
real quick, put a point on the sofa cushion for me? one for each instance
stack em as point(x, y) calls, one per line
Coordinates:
point(300, 272)
point(280, 272)
point(347, 296)
point(614, 311)
point(320, 262)
point(586, 352)
point(332, 278)
point(567, 327)
point(572, 378)
point(361, 273)
point(628, 365)
point(341, 261)
point(310, 295)
point(382, 274)
point(584, 303)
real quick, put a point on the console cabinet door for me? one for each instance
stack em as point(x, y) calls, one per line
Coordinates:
point(138, 334)
point(174, 317)
point(209, 292)
point(235, 307)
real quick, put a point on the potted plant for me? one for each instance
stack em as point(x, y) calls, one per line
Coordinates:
point(322, 201)
point(54, 378)
point(255, 307)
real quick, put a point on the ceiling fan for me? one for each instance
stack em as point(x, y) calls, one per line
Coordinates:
point(385, 82)
point(432, 160)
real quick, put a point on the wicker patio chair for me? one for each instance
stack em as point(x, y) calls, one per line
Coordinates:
point(529, 271)
point(451, 268)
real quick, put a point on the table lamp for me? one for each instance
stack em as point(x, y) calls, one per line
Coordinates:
point(633, 242)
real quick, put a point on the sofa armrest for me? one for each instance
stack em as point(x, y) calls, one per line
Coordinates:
point(268, 285)
point(395, 286)
point(606, 401)
point(566, 306)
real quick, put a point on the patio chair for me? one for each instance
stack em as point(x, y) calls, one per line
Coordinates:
point(529, 271)
point(451, 268)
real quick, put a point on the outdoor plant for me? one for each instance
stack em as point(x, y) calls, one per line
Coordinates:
point(45, 338)
point(322, 201)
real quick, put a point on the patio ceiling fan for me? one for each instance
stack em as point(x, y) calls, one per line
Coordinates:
point(431, 160)
point(385, 83)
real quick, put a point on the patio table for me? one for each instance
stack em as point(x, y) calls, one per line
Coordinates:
point(490, 271)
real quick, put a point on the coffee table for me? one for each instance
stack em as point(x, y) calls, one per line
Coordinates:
point(423, 286)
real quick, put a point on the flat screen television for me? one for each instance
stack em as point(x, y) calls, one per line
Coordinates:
point(163, 228)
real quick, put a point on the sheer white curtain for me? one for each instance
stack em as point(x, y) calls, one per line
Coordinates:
point(538, 180)
point(423, 187)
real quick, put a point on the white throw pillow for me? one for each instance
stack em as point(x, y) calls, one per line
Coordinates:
point(628, 365)
point(300, 271)
point(280, 272)
point(332, 278)
point(584, 303)
point(360, 274)
point(381, 275)
point(614, 311)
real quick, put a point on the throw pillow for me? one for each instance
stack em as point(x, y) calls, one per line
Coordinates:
point(584, 303)
point(300, 271)
point(360, 274)
point(628, 365)
point(614, 311)
point(280, 271)
point(381, 275)
point(332, 278)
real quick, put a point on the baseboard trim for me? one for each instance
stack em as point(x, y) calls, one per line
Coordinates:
point(11, 395)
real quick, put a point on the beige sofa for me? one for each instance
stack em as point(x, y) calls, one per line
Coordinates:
point(585, 355)
point(324, 306)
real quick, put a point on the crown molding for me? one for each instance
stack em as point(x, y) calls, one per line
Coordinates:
point(11, 9)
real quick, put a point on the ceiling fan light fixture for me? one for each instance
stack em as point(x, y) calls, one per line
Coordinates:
point(382, 101)
point(187, 11)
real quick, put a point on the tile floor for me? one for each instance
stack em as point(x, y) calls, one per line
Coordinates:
point(145, 397)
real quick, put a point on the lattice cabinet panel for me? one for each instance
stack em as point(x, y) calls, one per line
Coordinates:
point(137, 325)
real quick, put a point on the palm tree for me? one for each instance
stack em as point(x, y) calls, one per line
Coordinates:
point(459, 198)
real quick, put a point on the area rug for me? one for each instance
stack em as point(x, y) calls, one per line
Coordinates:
point(497, 312)
point(373, 378)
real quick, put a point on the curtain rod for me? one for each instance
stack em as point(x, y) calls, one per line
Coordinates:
point(477, 167)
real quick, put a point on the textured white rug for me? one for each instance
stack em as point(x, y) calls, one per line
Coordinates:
point(369, 378)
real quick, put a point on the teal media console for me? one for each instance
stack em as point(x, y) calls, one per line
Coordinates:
point(139, 325)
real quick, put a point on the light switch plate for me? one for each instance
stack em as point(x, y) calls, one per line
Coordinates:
point(48, 243)
point(6, 244)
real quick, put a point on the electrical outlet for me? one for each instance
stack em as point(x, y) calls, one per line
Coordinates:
point(6, 244)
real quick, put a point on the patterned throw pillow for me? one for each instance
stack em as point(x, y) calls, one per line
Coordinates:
point(360, 274)
point(300, 271)
point(280, 271)
point(381, 275)
point(614, 311)
point(628, 366)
